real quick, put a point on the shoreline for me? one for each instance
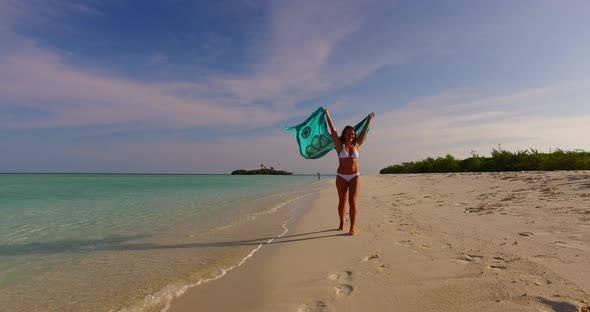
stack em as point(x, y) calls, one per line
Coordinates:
point(250, 285)
point(138, 271)
point(239, 241)
point(448, 242)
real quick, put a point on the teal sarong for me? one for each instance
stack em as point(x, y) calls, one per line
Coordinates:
point(313, 137)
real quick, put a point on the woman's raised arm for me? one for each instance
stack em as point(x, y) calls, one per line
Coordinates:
point(361, 137)
point(333, 131)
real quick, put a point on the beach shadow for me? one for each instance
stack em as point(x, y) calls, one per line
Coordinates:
point(66, 246)
point(122, 243)
point(558, 306)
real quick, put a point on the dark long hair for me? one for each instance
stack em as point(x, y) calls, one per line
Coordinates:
point(342, 135)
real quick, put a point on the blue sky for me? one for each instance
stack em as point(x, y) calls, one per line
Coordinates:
point(207, 86)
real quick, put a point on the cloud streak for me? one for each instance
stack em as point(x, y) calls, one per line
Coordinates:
point(433, 126)
point(295, 65)
point(37, 79)
point(304, 56)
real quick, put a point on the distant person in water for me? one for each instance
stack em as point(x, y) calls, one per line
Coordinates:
point(318, 175)
point(348, 175)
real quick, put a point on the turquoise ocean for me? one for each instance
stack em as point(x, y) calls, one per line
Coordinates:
point(131, 242)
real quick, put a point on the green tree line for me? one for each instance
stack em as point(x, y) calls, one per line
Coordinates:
point(261, 171)
point(500, 160)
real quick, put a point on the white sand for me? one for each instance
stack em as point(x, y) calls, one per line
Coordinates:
point(439, 242)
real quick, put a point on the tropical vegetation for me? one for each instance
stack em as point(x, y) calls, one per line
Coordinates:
point(262, 170)
point(500, 160)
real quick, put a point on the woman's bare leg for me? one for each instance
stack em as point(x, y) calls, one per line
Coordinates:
point(342, 187)
point(353, 186)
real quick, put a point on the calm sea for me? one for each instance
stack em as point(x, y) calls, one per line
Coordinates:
point(110, 242)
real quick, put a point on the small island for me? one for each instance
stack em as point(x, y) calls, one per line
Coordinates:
point(262, 170)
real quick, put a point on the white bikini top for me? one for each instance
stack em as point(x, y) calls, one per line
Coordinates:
point(344, 153)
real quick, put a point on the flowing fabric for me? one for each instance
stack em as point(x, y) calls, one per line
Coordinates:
point(314, 138)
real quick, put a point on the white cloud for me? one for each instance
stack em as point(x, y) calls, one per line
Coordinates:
point(39, 80)
point(299, 61)
point(294, 65)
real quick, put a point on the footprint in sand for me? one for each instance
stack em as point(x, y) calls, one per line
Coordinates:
point(534, 280)
point(343, 290)
point(340, 289)
point(384, 267)
point(469, 258)
point(498, 267)
point(318, 306)
point(525, 234)
point(340, 275)
point(404, 242)
point(461, 260)
point(371, 257)
point(509, 259)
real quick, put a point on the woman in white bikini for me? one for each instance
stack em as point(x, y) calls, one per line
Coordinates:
point(348, 175)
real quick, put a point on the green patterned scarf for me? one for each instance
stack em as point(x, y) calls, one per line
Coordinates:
point(314, 138)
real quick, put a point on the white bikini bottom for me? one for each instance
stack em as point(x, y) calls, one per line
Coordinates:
point(348, 177)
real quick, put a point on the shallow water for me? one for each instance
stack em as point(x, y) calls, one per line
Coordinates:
point(102, 242)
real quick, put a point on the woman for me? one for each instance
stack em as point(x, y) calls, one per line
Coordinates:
point(348, 175)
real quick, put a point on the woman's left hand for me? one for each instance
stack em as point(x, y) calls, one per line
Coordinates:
point(372, 115)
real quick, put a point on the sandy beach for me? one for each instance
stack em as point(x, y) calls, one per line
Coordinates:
point(509, 241)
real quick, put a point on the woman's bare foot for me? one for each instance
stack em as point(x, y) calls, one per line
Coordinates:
point(341, 227)
point(351, 232)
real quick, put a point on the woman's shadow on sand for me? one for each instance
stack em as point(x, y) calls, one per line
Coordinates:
point(123, 243)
